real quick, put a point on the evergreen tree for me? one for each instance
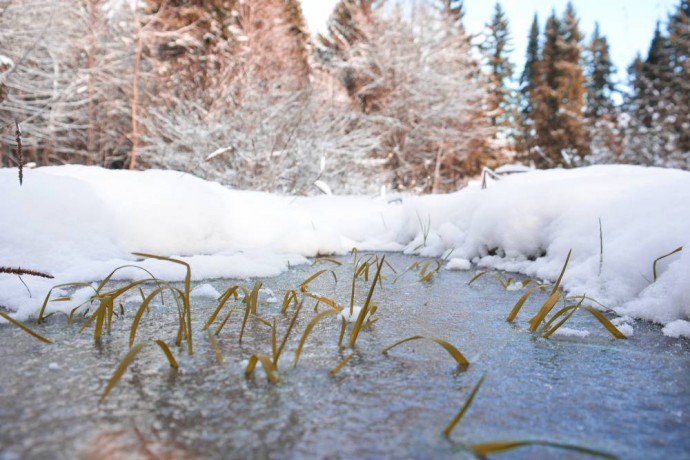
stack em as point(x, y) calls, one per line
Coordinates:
point(558, 99)
point(528, 82)
point(496, 48)
point(649, 136)
point(600, 72)
point(572, 89)
point(679, 36)
point(600, 110)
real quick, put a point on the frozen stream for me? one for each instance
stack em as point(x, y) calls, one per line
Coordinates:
point(626, 397)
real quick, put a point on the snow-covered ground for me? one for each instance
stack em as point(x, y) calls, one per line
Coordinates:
point(78, 223)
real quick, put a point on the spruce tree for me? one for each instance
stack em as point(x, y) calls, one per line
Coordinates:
point(601, 112)
point(559, 96)
point(573, 89)
point(649, 136)
point(496, 48)
point(528, 81)
point(600, 72)
point(546, 148)
point(679, 36)
point(653, 82)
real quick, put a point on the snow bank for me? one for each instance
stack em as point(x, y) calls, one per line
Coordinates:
point(79, 223)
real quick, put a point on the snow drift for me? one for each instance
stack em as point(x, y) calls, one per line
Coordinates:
point(78, 223)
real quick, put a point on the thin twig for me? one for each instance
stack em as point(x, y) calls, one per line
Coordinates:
point(23, 271)
point(20, 157)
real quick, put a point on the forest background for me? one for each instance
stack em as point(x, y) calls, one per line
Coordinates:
point(390, 96)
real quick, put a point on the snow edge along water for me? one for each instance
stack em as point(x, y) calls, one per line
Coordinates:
point(79, 222)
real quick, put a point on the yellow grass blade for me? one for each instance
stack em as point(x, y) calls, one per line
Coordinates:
point(274, 340)
point(464, 408)
point(263, 321)
point(561, 312)
point(225, 320)
point(392, 268)
point(185, 297)
point(247, 311)
point(330, 302)
point(276, 355)
point(121, 368)
point(271, 371)
point(216, 349)
point(425, 267)
point(24, 328)
point(427, 276)
point(324, 314)
point(560, 277)
point(518, 305)
point(253, 299)
point(677, 250)
point(545, 309)
point(168, 354)
point(304, 286)
point(476, 277)
point(343, 328)
point(584, 297)
point(222, 300)
point(105, 281)
point(412, 266)
point(290, 297)
point(504, 283)
point(129, 357)
point(363, 270)
point(568, 311)
point(319, 260)
point(367, 306)
point(606, 323)
point(454, 352)
point(502, 446)
point(39, 320)
point(342, 364)
point(139, 313)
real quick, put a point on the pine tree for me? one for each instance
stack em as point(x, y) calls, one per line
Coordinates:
point(558, 99)
point(600, 111)
point(573, 89)
point(600, 72)
point(528, 82)
point(649, 136)
point(679, 36)
point(496, 48)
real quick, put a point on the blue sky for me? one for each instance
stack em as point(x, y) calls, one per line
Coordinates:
point(627, 24)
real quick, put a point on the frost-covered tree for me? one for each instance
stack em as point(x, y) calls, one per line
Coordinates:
point(416, 79)
point(256, 120)
point(657, 128)
point(679, 35)
point(65, 79)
